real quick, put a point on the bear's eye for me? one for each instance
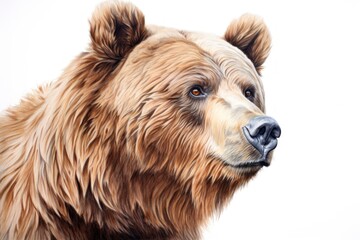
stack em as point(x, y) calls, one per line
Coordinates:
point(250, 94)
point(197, 92)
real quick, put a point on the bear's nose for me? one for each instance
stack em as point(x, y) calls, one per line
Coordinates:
point(262, 132)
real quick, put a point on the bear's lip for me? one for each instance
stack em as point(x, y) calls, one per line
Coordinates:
point(250, 164)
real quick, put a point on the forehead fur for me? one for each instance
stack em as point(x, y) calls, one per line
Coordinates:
point(222, 52)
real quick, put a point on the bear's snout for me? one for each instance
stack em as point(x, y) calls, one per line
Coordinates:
point(262, 132)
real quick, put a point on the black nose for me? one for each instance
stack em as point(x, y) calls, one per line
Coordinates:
point(262, 132)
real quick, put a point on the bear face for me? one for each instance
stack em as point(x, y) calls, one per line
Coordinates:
point(161, 105)
point(145, 135)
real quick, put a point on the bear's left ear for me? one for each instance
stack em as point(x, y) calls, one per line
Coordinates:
point(250, 34)
point(115, 29)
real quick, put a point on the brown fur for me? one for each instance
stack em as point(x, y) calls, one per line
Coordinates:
point(116, 149)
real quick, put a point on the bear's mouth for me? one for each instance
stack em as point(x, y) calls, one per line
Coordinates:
point(251, 164)
point(263, 161)
point(247, 164)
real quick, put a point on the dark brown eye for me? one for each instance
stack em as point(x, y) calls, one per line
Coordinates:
point(197, 92)
point(249, 94)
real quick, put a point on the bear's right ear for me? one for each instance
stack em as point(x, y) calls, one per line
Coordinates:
point(115, 29)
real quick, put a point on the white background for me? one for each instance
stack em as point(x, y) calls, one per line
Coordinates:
point(311, 191)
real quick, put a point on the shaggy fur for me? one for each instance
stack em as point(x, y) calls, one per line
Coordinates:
point(117, 148)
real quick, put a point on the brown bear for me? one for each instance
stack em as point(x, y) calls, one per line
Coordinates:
point(144, 136)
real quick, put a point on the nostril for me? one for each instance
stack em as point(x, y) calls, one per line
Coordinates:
point(275, 132)
point(262, 131)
